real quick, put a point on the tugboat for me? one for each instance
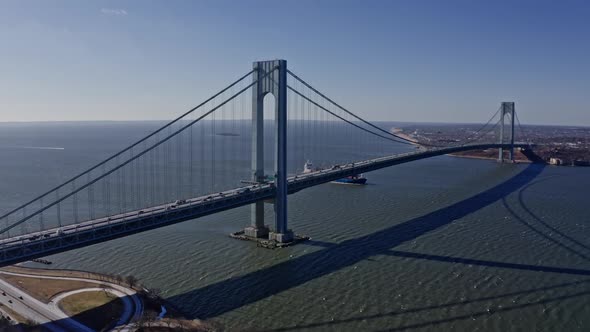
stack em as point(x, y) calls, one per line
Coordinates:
point(358, 179)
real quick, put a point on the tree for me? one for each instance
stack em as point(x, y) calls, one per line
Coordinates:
point(131, 280)
point(181, 325)
point(119, 279)
point(140, 323)
point(154, 293)
point(168, 322)
point(150, 318)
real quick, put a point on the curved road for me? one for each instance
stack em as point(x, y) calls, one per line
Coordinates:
point(51, 315)
point(127, 303)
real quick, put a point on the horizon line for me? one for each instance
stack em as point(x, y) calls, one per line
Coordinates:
point(168, 120)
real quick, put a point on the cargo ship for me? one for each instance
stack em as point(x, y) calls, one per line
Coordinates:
point(354, 179)
point(357, 179)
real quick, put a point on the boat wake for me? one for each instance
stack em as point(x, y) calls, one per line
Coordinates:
point(35, 147)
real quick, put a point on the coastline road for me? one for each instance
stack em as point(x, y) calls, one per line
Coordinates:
point(35, 310)
point(50, 313)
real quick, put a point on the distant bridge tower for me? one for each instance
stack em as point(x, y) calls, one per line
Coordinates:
point(507, 108)
point(276, 84)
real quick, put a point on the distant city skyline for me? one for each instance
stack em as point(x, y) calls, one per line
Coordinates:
point(406, 61)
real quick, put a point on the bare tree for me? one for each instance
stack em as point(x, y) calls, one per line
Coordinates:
point(140, 323)
point(154, 293)
point(168, 322)
point(150, 318)
point(131, 280)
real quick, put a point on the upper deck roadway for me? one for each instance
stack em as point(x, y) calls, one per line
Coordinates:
point(51, 241)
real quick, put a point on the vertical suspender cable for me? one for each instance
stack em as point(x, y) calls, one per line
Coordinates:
point(169, 171)
point(41, 221)
point(178, 166)
point(90, 198)
point(190, 167)
point(58, 207)
point(213, 147)
point(75, 203)
point(202, 146)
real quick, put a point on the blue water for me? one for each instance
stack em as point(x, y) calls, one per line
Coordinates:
point(438, 244)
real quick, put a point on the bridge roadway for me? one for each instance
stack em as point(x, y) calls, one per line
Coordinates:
point(51, 241)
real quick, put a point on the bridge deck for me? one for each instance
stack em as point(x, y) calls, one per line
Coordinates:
point(51, 241)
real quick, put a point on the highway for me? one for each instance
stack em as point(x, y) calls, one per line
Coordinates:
point(51, 316)
point(42, 243)
point(37, 311)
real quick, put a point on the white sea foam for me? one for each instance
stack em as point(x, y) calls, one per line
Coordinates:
point(37, 147)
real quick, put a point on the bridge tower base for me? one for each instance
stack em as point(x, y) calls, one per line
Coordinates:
point(257, 232)
point(284, 237)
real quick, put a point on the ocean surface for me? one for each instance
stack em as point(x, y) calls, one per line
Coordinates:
point(442, 244)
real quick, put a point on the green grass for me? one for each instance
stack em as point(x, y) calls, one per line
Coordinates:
point(45, 289)
point(95, 309)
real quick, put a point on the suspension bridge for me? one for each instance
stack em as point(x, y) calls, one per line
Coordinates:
point(214, 158)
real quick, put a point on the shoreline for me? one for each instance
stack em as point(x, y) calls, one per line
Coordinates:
point(400, 132)
point(516, 161)
point(37, 294)
point(150, 300)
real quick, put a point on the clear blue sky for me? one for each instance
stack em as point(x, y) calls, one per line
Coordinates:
point(446, 61)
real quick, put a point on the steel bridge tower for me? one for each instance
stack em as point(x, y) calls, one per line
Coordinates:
point(274, 83)
point(507, 108)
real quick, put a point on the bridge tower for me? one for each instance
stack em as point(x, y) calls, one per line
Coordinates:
point(276, 84)
point(507, 108)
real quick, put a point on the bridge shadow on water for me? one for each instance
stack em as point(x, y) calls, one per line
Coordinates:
point(455, 304)
point(540, 221)
point(573, 243)
point(231, 294)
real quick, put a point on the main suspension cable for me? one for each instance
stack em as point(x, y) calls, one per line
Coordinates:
point(466, 140)
point(343, 119)
point(355, 116)
point(165, 139)
point(128, 148)
point(521, 129)
point(487, 132)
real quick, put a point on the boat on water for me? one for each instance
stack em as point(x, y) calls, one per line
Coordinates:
point(308, 167)
point(358, 179)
